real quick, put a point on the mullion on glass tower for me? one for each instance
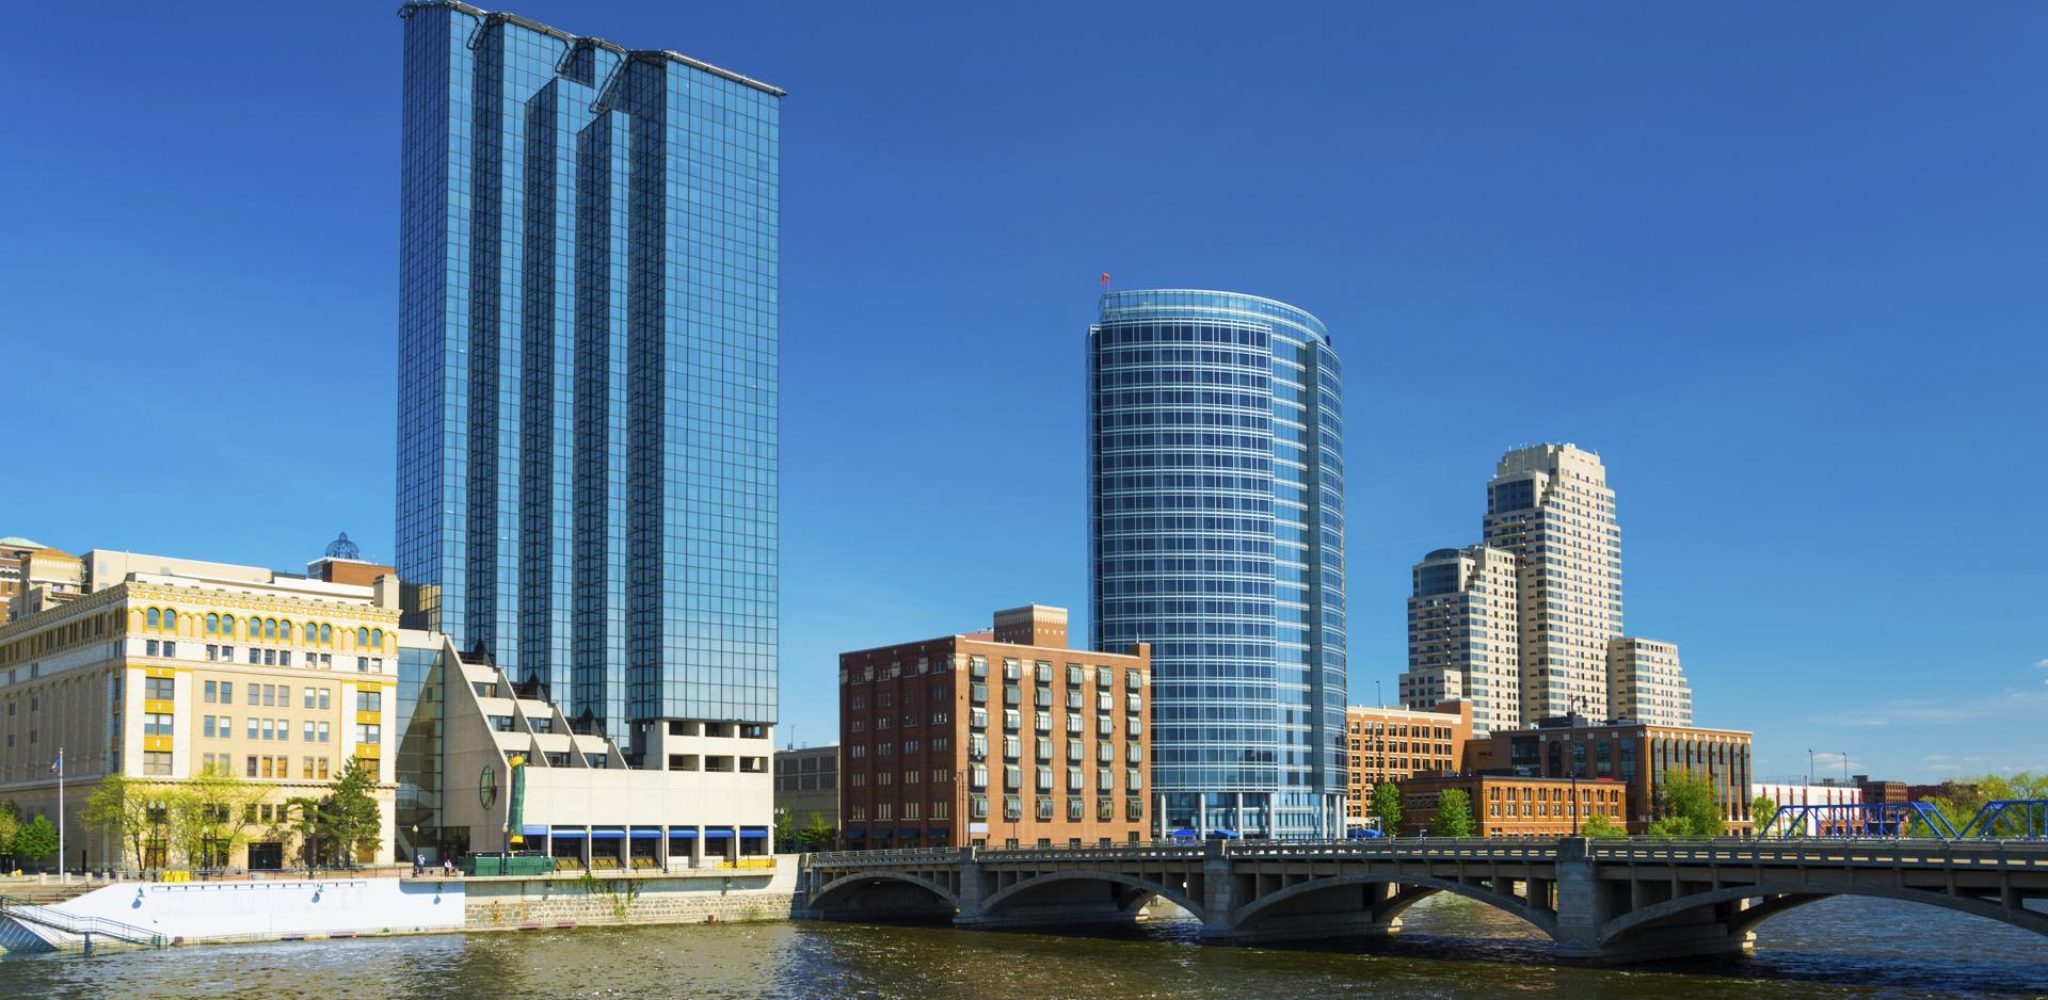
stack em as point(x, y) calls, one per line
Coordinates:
point(1217, 535)
point(588, 386)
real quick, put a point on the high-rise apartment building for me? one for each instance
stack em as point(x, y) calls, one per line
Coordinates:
point(1000, 737)
point(1645, 682)
point(1528, 624)
point(588, 375)
point(1551, 507)
point(1216, 512)
point(1463, 636)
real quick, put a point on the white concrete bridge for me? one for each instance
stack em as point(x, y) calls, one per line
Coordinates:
point(1604, 900)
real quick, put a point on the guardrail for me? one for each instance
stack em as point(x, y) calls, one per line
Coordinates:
point(1886, 852)
point(85, 927)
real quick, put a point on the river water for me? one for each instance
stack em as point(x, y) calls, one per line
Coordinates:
point(1449, 948)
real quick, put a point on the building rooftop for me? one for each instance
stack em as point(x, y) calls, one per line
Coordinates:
point(530, 24)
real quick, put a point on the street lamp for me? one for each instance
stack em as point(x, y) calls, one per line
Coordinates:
point(1571, 746)
point(1809, 767)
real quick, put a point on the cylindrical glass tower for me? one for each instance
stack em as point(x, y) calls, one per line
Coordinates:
point(1216, 533)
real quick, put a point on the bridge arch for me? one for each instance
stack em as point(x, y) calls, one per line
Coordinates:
point(1778, 900)
point(844, 894)
point(1417, 888)
point(995, 904)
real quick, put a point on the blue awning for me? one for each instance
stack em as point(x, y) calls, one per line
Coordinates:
point(855, 834)
point(568, 833)
point(533, 830)
point(753, 831)
point(939, 832)
point(683, 832)
point(908, 831)
point(718, 832)
point(608, 833)
point(643, 834)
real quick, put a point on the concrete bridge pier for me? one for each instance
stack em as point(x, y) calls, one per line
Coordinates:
point(1588, 906)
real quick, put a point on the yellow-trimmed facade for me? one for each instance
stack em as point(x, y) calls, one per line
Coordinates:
point(160, 676)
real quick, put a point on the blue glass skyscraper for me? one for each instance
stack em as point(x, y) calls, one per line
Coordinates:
point(1216, 516)
point(588, 367)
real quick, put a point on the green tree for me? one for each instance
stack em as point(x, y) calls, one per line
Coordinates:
point(126, 811)
point(1600, 827)
point(10, 825)
point(309, 822)
point(351, 811)
point(1760, 810)
point(1454, 813)
point(818, 834)
point(1961, 797)
point(785, 831)
point(1386, 805)
point(37, 839)
point(214, 812)
point(1689, 806)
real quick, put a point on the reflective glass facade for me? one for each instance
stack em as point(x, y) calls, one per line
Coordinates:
point(588, 367)
point(1216, 511)
point(418, 803)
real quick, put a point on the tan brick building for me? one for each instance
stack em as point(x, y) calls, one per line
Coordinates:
point(1390, 744)
point(1636, 754)
point(1505, 805)
point(998, 737)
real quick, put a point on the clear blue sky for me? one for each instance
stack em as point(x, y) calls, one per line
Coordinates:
point(1782, 268)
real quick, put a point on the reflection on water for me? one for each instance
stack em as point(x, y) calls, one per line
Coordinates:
point(1450, 947)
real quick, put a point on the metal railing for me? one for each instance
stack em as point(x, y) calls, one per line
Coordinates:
point(71, 923)
point(1888, 852)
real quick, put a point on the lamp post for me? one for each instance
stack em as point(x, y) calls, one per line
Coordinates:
point(1809, 767)
point(1571, 766)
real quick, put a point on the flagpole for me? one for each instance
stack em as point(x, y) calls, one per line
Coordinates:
point(60, 815)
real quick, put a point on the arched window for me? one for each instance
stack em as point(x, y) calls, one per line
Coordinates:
point(362, 638)
point(377, 639)
point(212, 624)
point(156, 618)
point(326, 634)
point(227, 625)
point(312, 633)
point(170, 619)
point(270, 628)
point(284, 629)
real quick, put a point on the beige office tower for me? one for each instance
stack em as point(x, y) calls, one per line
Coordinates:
point(1550, 506)
point(1646, 684)
point(1462, 636)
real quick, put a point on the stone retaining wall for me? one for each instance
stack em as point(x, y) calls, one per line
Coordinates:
point(695, 898)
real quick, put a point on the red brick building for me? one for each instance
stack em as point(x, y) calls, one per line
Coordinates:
point(1003, 737)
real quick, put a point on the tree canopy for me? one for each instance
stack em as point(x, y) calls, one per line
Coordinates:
point(1599, 826)
point(1689, 807)
point(37, 839)
point(1386, 804)
point(1454, 813)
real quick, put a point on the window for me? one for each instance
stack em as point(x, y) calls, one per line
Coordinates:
point(284, 657)
point(158, 688)
point(977, 805)
point(1013, 807)
point(212, 624)
point(369, 701)
point(227, 628)
point(1104, 677)
point(270, 628)
point(269, 695)
point(207, 726)
point(312, 636)
point(1012, 720)
point(156, 724)
point(269, 729)
point(255, 655)
point(252, 766)
point(155, 618)
point(326, 634)
point(362, 638)
point(309, 698)
point(323, 699)
point(252, 728)
point(212, 692)
point(156, 763)
point(307, 732)
point(369, 734)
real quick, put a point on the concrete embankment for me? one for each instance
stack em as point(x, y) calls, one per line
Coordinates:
point(290, 909)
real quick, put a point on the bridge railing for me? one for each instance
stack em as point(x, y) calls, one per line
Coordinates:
point(1889, 852)
point(71, 923)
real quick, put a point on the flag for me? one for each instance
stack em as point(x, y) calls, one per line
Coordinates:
point(57, 766)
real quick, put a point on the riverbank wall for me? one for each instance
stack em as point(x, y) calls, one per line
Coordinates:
point(294, 909)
